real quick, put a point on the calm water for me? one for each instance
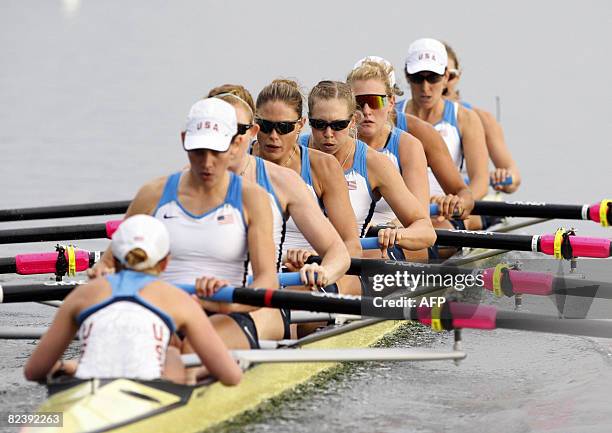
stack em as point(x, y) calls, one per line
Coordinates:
point(94, 94)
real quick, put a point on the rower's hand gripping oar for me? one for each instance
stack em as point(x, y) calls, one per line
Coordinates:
point(564, 244)
point(599, 212)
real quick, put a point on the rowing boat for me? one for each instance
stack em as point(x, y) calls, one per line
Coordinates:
point(123, 405)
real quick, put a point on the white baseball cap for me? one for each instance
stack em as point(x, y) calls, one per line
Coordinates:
point(426, 55)
point(211, 124)
point(144, 232)
point(384, 62)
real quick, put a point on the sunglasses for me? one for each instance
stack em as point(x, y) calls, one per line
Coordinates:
point(243, 128)
point(336, 125)
point(282, 128)
point(453, 73)
point(430, 78)
point(375, 102)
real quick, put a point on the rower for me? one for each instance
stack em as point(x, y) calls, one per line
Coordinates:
point(369, 175)
point(217, 223)
point(505, 166)
point(125, 321)
point(289, 197)
point(427, 74)
point(375, 74)
point(279, 109)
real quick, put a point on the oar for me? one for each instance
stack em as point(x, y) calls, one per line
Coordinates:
point(501, 280)
point(66, 260)
point(449, 315)
point(259, 356)
point(65, 211)
point(59, 233)
point(561, 244)
point(598, 212)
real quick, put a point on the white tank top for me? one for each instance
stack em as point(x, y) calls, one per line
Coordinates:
point(383, 213)
point(278, 216)
point(293, 236)
point(124, 336)
point(449, 130)
point(213, 244)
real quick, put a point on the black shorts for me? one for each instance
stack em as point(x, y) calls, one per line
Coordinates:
point(488, 221)
point(458, 224)
point(247, 325)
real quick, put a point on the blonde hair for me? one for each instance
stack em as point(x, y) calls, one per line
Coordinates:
point(231, 93)
point(373, 70)
point(327, 89)
point(285, 90)
point(370, 70)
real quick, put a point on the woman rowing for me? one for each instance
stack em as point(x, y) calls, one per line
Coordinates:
point(125, 321)
point(461, 128)
point(369, 174)
point(373, 78)
point(289, 197)
point(505, 166)
point(218, 223)
point(279, 109)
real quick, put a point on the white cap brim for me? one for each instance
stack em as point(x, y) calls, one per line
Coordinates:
point(217, 142)
point(425, 65)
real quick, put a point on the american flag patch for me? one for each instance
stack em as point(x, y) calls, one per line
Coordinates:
point(225, 219)
point(351, 184)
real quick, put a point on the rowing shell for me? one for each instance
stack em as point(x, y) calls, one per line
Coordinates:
point(123, 405)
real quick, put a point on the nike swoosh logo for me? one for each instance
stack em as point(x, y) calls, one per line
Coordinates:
point(170, 216)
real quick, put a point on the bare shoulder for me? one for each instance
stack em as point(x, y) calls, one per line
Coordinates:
point(409, 141)
point(415, 123)
point(287, 183)
point(377, 162)
point(148, 196)
point(88, 294)
point(253, 195)
point(280, 176)
point(326, 169)
point(466, 115)
point(323, 163)
point(486, 117)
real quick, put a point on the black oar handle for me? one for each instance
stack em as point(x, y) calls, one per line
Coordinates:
point(65, 211)
point(55, 233)
point(530, 210)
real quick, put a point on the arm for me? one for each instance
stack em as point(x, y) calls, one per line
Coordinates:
point(414, 167)
point(53, 344)
point(418, 232)
point(317, 229)
point(441, 163)
point(335, 196)
point(499, 152)
point(475, 151)
point(144, 202)
point(205, 341)
point(260, 238)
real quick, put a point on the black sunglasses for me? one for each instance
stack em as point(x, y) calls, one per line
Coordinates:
point(243, 128)
point(336, 125)
point(431, 78)
point(267, 126)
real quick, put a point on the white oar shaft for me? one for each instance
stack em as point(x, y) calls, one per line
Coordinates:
point(333, 355)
